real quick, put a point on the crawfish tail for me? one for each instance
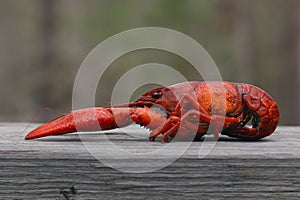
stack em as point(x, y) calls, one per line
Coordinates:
point(86, 120)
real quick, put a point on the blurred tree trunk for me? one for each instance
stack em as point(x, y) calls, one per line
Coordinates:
point(290, 48)
point(47, 53)
point(244, 32)
point(2, 35)
point(237, 16)
point(298, 62)
point(5, 7)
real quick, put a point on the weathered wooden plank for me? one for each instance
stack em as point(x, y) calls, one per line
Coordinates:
point(60, 167)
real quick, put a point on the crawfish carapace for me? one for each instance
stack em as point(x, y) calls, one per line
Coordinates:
point(188, 105)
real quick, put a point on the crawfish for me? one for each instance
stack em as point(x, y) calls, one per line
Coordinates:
point(190, 108)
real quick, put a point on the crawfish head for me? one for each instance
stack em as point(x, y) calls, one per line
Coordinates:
point(165, 97)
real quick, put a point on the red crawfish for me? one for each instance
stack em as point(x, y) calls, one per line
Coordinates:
point(191, 107)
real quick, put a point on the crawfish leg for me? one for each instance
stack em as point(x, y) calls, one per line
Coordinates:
point(169, 124)
point(187, 126)
point(197, 122)
point(185, 103)
point(195, 118)
point(189, 103)
point(192, 122)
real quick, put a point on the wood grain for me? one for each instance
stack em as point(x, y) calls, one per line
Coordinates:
point(60, 167)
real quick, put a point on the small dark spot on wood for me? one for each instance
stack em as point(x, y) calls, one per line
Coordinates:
point(68, 192)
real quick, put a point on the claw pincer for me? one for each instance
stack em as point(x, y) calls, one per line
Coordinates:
point(97, 119)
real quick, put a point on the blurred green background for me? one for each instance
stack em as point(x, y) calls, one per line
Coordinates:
point(43, 42)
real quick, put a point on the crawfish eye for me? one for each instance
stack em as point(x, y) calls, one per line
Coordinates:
point(156, 95)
